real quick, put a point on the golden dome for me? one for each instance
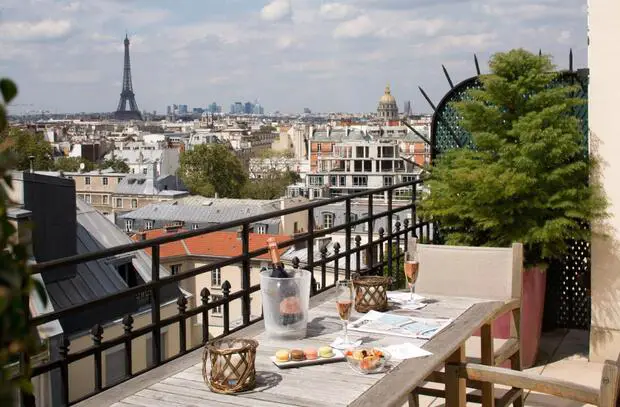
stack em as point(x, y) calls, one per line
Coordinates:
point(387, 97)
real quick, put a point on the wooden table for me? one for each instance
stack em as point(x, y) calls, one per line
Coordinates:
point(180, 383)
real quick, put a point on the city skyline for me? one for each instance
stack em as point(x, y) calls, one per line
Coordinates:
point(290, 54)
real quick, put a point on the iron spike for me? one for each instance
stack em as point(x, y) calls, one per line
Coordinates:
point(477, 64)
point(430, 102)
point(570, 60)
point(445, 72)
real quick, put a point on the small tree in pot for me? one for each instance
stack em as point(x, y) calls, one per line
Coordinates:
point(526, 177)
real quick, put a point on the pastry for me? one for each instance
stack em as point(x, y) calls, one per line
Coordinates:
point(297, 355)
point(282, 355)
point(311, 353)
point(326, 352)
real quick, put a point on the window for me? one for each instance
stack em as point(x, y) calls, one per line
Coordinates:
point(87, 198)
point(134, 203)
point(104, 180)
point(81, 196)
point(118, 180)
point(144, 170)
point(318, 147)
point(359, 152)
point(343, 181)
point(128, 225)
point(408, 178)
point(360, 181)
point(105, 199)
point(87, 180)
point(295, 227)
point(195, 226)
point(260, 229)
point(216, 278)
point(128, 274)
point(333, 180)
point(148, 224)
point(119, 202)
point(217, 310)
point(175, 269)
point(316, 180)
point(388, 181)
point(114, 365)
point(328, 220)
point(149, 348)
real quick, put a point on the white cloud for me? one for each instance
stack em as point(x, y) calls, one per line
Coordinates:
point(564, 37)
point(361, 26)
point(336, 11)
point(35, 30)
point(276, 10)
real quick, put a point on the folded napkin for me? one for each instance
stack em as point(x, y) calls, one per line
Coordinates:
point(404, 301)
point(338, 343)
point(406, 350)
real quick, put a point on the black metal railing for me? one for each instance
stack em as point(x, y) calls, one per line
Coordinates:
point(377, 261)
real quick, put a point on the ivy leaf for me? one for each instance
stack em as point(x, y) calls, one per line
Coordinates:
point(8, 89)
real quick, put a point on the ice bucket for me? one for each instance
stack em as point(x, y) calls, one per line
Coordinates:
point(285, 303)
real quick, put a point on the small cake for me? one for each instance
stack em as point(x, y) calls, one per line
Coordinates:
point(311, 353)
point(326, 352)
point(282, 355)
point(297, 355)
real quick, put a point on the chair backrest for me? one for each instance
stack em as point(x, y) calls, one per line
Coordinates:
point(479, 272)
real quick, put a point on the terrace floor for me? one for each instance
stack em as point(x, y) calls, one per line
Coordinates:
point(563, 355)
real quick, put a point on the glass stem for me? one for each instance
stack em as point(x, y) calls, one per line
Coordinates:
point(346, 331)
point(411, 286)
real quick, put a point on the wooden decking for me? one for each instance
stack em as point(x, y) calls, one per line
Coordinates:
point(180, 383)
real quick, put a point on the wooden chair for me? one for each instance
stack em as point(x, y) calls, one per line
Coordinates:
point(605, 396)
point(478, 272)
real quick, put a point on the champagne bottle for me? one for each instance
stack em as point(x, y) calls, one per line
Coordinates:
point(288, 291)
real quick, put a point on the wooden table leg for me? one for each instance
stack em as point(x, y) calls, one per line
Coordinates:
point(455, 386)
point(487, 358)
point(515, 360)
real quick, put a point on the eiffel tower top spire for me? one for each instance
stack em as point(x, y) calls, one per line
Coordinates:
point(127, 95)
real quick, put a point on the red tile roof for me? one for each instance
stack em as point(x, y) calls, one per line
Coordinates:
point(217, 244)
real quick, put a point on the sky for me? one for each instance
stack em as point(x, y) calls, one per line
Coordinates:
point(329, 56)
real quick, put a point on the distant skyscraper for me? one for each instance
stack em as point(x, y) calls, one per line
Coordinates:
point(183, 109)
point(307, 110)
point(168, 110)
point(407, 109)
point(248, 108)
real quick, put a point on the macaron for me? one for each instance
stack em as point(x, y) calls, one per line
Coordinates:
point(311, 353)
point(297, 355)
point(326, 352)
point(283, 355)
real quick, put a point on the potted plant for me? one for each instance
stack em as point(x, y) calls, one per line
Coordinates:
point(16, 283)
point(525, 178)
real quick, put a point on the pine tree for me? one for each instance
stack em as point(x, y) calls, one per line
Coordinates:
point(526, 178)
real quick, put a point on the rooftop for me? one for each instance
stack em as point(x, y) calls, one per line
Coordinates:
point(214, 244)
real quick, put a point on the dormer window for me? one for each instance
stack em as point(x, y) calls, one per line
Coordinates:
point(87, 180)
point(128, 225)
point(260, 229)
point(328, 220)
point(128, 274)
point(148, 224)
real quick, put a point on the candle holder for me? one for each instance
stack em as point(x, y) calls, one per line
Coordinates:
point(232, 365)
point(371, 293)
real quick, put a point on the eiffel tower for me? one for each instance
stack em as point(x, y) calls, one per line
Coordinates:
point(127, 95)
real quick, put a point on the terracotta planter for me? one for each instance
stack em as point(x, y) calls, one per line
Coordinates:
point(532, 307)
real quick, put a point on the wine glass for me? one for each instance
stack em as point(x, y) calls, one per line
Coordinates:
point(412, 270)
point(344, 303)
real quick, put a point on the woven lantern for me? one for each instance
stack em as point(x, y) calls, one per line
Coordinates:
point(371, 293)
point(232, 365)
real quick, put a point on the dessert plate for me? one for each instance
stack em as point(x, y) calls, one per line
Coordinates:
point(338, 357)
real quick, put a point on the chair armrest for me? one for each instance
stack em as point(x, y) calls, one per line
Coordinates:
point(528, 381)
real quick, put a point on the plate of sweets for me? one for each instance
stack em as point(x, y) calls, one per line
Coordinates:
point(298, 357)
point(367, 360)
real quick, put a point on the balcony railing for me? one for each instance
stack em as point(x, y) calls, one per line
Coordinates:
point(378, 257)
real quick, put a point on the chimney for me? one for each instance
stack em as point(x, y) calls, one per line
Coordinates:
point(142, 236)
point(154, 177)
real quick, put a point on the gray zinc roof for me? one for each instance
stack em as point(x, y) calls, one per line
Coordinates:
point(217, 213)
point(97, 278)
point(139, 184)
